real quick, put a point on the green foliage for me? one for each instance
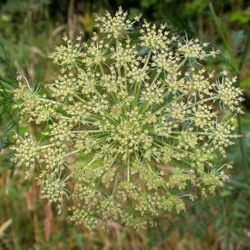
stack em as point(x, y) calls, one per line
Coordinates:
point(240, 16)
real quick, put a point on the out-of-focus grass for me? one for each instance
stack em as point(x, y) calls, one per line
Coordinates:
point(29, 30)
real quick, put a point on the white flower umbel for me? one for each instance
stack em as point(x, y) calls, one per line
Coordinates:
point(132, 127)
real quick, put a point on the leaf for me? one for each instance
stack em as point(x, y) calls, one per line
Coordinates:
point(245, 83)
point(148, 3)
point(79, 240)
point(4, 226)
point(2, 52)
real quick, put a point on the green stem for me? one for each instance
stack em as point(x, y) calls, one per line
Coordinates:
point(224, 38)
point(128, 169)
point(115, 183)
point(73, 152)
point(239, 123)
point(148, 58)
point(241, 144)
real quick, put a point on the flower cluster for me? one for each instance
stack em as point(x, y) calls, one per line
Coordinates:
point(131, 128)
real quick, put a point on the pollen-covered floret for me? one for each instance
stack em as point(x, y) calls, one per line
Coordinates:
point(229, 95)
point(66, 55)
point(153, 37)
point(131, 129)
point(53, 188)
point(115, 25)
point(195, 49)
point(26, 153)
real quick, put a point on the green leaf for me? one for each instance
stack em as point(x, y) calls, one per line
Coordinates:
point(245, 83)
point(148, 3)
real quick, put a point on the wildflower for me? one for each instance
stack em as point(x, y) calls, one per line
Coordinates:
point(66, 55)
point(126, 135)
point(117, 25)
point(195, 49)
point(154, 38)
point(229, 95)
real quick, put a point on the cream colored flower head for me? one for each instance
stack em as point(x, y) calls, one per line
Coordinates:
point(132, 127)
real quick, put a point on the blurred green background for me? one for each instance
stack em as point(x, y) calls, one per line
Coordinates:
point(29, 31)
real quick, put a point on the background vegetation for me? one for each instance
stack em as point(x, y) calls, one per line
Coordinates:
point(29, 30)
